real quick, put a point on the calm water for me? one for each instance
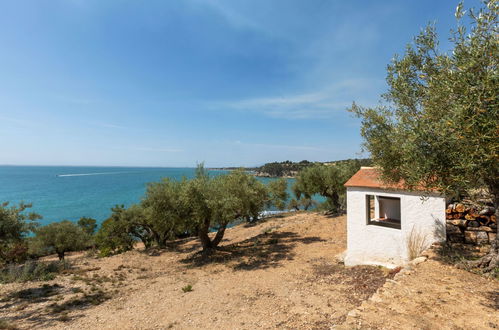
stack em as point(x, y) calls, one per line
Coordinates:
point(62, 192)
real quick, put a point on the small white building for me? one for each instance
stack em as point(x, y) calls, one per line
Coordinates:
point(383, 220)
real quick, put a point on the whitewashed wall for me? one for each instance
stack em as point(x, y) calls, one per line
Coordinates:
point(371, 244)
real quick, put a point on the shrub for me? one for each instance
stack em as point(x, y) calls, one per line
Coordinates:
point(32, 271)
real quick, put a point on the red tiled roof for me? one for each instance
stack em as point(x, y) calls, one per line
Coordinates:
point(370, 177)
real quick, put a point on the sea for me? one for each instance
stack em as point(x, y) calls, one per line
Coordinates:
point(71, 192)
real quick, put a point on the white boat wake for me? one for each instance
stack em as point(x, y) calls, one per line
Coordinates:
point(88, 174)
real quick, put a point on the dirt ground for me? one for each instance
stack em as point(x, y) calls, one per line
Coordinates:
point(279, 274)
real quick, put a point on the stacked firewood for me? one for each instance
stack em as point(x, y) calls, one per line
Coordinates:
point(484, 215)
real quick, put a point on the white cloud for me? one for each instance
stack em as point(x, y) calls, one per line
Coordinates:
point(309, 105)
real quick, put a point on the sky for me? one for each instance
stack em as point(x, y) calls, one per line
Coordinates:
point(174, 83)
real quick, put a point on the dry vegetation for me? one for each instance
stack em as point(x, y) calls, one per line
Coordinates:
point(281, 273)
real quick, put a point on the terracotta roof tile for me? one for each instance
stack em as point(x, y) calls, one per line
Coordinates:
point(370, 177)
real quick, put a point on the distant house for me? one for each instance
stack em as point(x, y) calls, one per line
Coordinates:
point(382, 220)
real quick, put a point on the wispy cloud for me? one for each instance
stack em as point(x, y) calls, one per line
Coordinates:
point(310, 105)
point(279, 146)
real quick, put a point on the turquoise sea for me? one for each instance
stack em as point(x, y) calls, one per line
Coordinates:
point(70, 192)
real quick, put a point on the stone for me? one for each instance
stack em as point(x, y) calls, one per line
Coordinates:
point(482, 237)
point(353, 313)
point(418, 260)
point(492, 236)
point(481, 228)
point(452, 229)
point(476, 237)
point(376, 298)
point(473, 224)
point(456, 238)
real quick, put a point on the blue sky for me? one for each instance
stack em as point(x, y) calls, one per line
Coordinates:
point(172, 83)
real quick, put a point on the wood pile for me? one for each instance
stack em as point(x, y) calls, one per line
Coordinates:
point(470, 223)
point(482, 215)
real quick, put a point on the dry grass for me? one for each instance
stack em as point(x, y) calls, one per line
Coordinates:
point(417, 242)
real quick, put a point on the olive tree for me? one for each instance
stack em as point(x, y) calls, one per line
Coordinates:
point(164, 212)
point(327, 181)
point(88, 225)
point(116, 234)
point(15, 225)
point(278, 193)
point(60, 237)
point(438, 124)
point(214, 202)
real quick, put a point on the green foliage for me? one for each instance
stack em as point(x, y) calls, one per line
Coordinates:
point(214, 202)
point(59, 237)
point(164, 213)
point(15, 224)
point(288, 168)
point(438, 126)
point(327, 181)
point(115, 233)
point(278, 194)
point(32, 271)
point(176, 208)
point(88, 225)
point(187, 288)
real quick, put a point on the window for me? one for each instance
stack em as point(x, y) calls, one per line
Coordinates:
point(383, 211)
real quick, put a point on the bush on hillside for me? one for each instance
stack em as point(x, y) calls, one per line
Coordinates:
point(15, 225)
point(59, 238)
point(32, 271)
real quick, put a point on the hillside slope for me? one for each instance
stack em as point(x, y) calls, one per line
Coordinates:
point(282, 273)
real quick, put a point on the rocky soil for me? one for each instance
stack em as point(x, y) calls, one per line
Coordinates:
point(279, 274)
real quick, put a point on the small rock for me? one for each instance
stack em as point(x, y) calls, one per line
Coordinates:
point(418, 260)
point(353, 313)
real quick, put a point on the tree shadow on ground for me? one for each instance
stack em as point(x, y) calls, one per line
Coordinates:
point(492, 300)
point(266, 250)
point(41, 306)
point(457, 253)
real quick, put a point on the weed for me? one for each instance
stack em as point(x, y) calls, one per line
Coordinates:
point(187, 288)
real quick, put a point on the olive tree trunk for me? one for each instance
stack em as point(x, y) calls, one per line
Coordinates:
point(206, 242)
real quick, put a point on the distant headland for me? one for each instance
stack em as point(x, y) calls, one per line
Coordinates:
point(288, 169)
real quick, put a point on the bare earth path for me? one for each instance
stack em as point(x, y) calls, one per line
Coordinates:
point(282, 273)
